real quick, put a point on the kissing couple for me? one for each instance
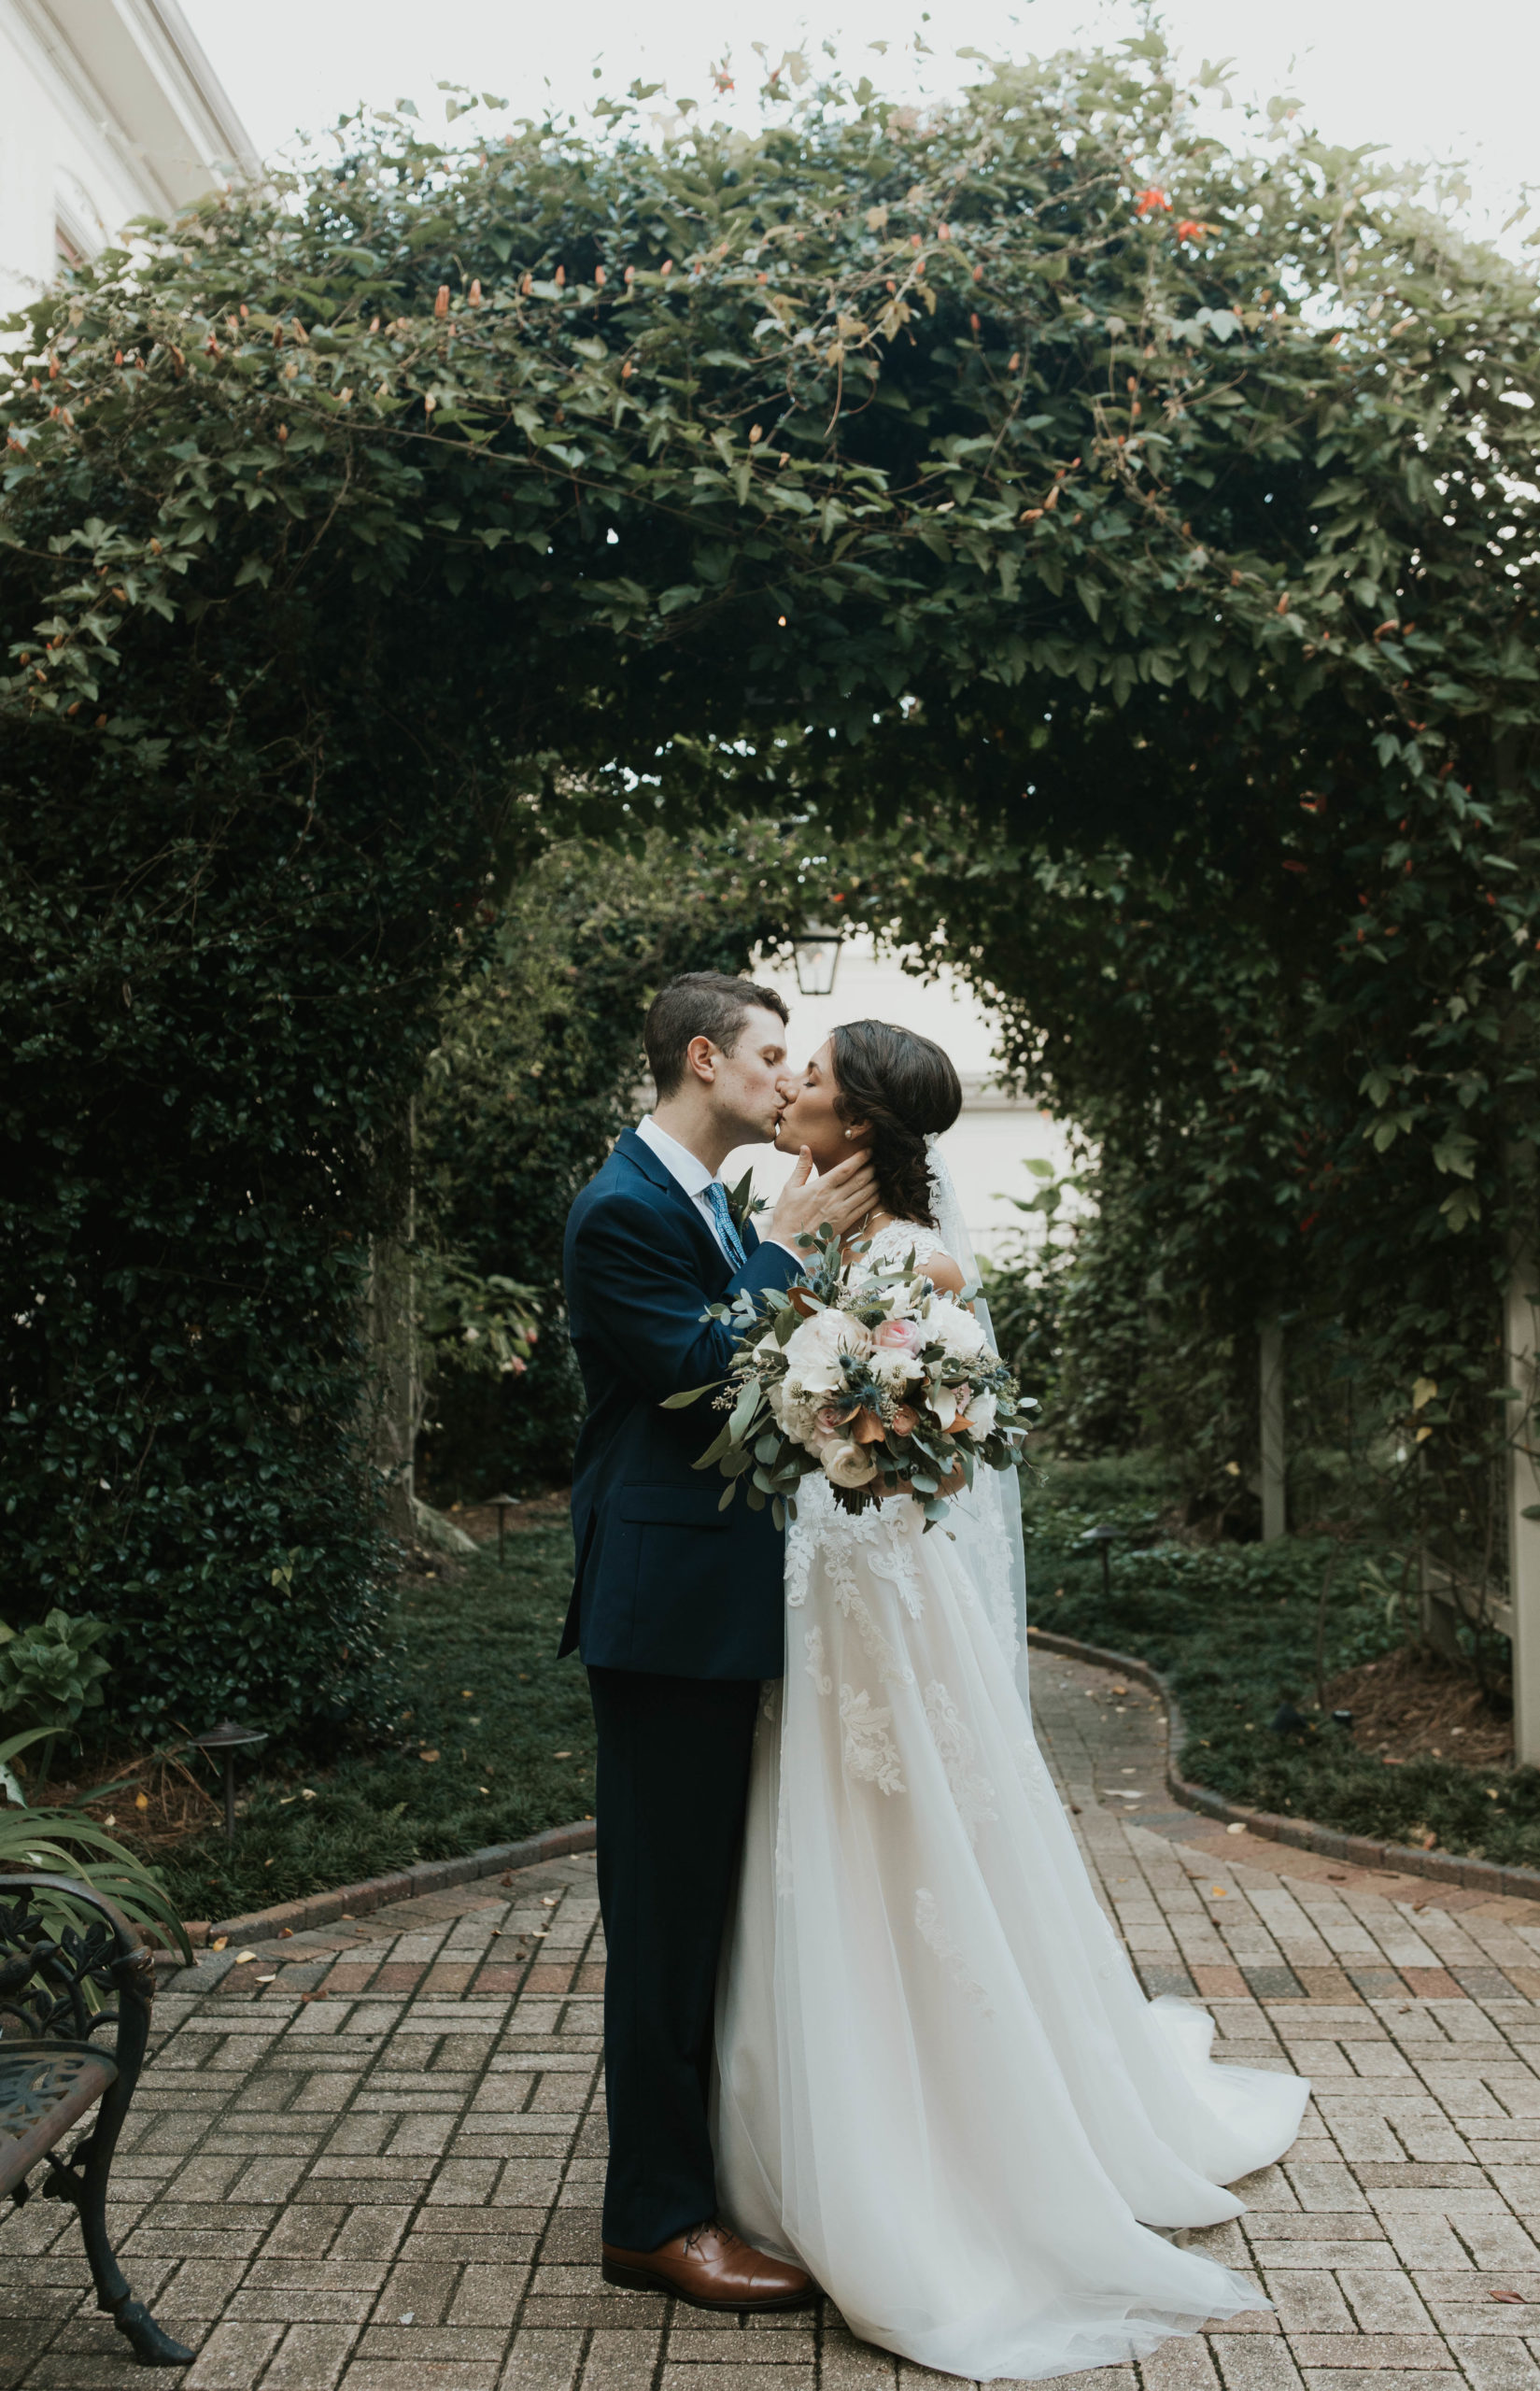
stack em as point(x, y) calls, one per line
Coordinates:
point(866, 2032)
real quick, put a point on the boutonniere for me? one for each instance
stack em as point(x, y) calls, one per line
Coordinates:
point(742, 1203)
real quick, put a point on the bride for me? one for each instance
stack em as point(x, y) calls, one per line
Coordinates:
point(939, 2085)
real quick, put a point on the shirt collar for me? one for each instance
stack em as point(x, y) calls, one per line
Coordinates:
point(690, 1171)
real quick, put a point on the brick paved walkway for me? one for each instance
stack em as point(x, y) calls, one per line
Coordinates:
point(369, 2159)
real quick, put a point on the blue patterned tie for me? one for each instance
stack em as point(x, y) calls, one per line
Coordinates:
point(727, 1237)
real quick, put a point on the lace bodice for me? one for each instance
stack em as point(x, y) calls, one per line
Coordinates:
point(897, 1241)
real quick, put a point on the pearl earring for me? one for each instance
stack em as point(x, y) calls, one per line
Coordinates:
point(850, 1133)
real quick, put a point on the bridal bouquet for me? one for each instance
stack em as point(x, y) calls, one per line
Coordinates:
point(868, 1375)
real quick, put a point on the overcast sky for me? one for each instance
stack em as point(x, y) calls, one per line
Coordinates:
point(1429, 79)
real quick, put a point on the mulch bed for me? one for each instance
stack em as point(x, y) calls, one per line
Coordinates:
point(1413, 1703)
point(157, 1799)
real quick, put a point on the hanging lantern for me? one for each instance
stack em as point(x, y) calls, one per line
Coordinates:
point(816, 950)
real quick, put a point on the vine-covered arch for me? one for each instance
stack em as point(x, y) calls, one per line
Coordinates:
point(1041, 467)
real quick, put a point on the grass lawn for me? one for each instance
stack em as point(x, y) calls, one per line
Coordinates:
point(1233, 1626)
point(495, 1742)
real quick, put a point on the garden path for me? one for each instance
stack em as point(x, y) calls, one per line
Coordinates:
point(368, 2158)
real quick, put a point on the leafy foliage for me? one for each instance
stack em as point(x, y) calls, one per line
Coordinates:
point(50, 1673)
point(1068, 1303)
point(50, 1668)
point(467, 1326)
point(59, 1840)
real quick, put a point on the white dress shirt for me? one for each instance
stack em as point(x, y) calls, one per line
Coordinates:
point(688, 1168)
point(694, 1178)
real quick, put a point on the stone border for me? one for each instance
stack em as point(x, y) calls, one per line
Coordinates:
point(1301, 1834)
point(407, 1884)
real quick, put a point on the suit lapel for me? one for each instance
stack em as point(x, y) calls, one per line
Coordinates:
point(637, 1151)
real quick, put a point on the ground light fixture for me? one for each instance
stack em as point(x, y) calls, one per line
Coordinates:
point(1102, 1539)
point(502, 1504)
point(223, 1742)
point(816, 951)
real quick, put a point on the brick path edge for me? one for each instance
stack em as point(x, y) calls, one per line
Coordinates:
point(408, 1884)
point(1302, 1835)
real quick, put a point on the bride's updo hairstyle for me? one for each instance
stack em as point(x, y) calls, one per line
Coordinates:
point(905, 1089)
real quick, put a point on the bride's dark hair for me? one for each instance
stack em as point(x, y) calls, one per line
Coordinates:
point(905, 1088)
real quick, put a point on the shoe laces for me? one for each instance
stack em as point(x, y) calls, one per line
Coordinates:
point(697, 2233)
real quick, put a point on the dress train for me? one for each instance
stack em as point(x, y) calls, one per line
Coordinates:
point(939, 2086)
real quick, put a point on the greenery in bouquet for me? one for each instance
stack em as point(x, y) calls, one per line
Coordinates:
point(872, 1378)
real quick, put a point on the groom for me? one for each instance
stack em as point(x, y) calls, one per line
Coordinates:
point(677, 1606)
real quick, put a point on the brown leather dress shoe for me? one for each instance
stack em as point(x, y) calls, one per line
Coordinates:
point(710, 2268)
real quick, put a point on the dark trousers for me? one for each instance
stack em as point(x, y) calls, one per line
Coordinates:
point(672, 1779)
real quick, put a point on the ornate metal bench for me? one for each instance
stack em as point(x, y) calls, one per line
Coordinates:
point(63, 1985)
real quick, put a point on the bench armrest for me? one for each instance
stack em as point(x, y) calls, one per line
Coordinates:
point(62, 1976)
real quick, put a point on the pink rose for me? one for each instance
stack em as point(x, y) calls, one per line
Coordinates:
point(898, 1337)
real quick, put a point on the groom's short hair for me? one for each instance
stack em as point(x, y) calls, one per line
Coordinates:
point(700, 1004)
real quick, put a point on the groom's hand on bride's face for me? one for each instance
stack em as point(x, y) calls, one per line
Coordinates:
point(844, 1197)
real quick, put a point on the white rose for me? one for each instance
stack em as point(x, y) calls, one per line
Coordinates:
point(848, 1465)
point(795, 1406)
point(956, 1331)
point(814, 1350)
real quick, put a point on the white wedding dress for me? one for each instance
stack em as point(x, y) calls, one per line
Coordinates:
point(938, 2084)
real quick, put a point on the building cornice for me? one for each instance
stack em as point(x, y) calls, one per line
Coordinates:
point(141, 81)
point(226, 142)
point(983, 1094)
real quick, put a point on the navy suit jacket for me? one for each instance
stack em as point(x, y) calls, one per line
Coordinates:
point(665, 1581)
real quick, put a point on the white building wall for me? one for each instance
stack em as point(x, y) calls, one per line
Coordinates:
point(108, 110)
point(988, 1150)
